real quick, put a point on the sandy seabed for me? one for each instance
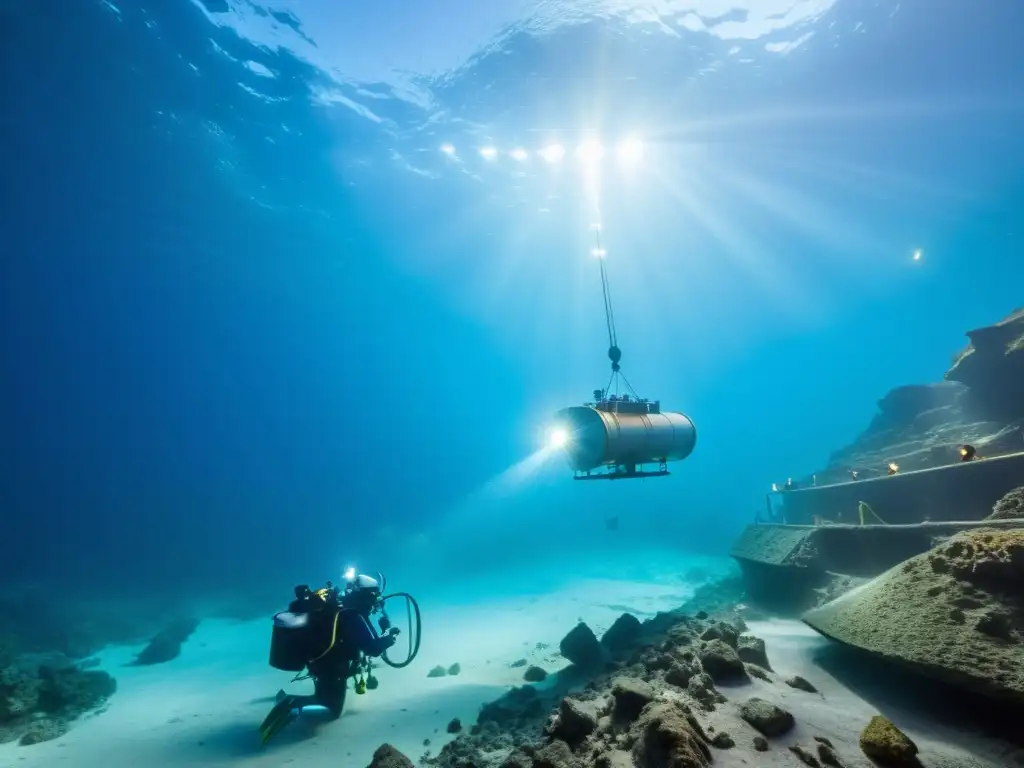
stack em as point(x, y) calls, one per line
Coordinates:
point(204, 708)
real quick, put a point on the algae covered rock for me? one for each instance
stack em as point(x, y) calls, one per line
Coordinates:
point(721, 661)
point(769, 719)
point(1010, 507)
point(887, 745)
point(665, 738)
point(387, 756)
point(952, 613)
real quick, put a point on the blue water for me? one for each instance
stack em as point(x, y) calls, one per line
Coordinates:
point(257, 323)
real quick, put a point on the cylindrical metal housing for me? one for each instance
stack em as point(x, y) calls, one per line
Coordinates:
point(597, 437)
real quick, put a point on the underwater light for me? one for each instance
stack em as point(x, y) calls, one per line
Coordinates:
point(558, 438)
point(918, 255)
point(350, 574)
point(590, 152)
point(968, 453)
point(598, 253)
point(893, 467)
point(448, 149)
point(631, 151)
point(554, 153)
point(519, 154)
point(488, 153)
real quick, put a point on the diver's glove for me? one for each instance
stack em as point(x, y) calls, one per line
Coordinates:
point(392, 635)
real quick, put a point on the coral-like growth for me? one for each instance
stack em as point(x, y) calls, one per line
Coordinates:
point(1010, 507)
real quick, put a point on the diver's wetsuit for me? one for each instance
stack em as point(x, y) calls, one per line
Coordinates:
point(330, 674)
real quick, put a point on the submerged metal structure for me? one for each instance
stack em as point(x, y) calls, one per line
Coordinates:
point(620, 436)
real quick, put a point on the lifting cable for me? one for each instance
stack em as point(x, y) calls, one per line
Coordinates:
point(614, 353)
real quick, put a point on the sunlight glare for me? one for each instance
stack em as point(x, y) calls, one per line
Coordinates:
point(554, 153)
point(488, 153)
point(590, 152)
point(448, 149)
point(519, 154)
point(918, 255)
point(631, 151)
point(598, 253)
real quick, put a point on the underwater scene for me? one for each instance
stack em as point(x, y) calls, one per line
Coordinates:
point(512, 384)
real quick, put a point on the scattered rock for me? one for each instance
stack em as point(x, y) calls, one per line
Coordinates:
point(722, 662)
point(454, 669)
point(623, 634)
point(519, 663)
point(723, 740)
point(760, 743)
point(438, 671)
point(554, 755)
point(767, 718)
point(801, 684)
point(755, 671)
point(805, 757)
point(387, 756)
point(581, 647)
point(46, 729)
point(827, 753)
point(886, 744)
point(751, 650)
point(680, 673)
point(454, 726)
point(534, 675)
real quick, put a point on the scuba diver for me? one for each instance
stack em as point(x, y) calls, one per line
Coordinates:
point(329, 633)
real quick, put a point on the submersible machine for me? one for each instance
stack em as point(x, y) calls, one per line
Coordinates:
point(620, 436)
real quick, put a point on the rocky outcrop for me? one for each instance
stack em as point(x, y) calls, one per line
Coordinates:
point(992, 366)
point(387, 756)
point(953, 613)
point(40, 695)
point(166, 644)
point(1010, 507)
point(981, 402)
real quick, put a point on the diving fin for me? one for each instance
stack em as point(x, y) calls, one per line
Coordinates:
point(280, 716)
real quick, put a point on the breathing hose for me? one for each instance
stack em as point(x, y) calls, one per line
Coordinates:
point(412, 608)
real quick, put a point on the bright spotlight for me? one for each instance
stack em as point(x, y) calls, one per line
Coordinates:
point(448, 149)
point(488, 153)
point(519, 154)
point(631, 151)
point(558, 438)
point(554, 153)
point(350, 574)
point(590, 151)
point(598, 253)
point(918, 255)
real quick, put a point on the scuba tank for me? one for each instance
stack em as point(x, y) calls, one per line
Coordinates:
point(306, 631)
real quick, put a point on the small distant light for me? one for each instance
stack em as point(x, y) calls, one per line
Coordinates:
point(554, 153)
point(598, 253)
point(918, 255)
point(631, 151)
point(488, 153)
point(894, 468)
point(519, 154)
point(448, 149)
point(590, 151)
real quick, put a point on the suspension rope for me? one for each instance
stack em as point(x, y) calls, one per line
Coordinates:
point(609, 315)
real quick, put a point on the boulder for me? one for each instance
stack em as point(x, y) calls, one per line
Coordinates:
point(721, 662)
point(665, 738)
point(952, 613)
point(580, 647)
point(887, 745)
point(623, 634)
point(387, 756)
point(769, 719)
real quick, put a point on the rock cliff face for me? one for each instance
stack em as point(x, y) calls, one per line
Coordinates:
point(981, 402)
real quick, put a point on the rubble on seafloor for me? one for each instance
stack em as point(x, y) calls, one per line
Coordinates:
point(671, 692)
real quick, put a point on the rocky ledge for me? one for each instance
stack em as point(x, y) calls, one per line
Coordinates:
point(953, 613)
point(676, 691)
point(981, 402)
